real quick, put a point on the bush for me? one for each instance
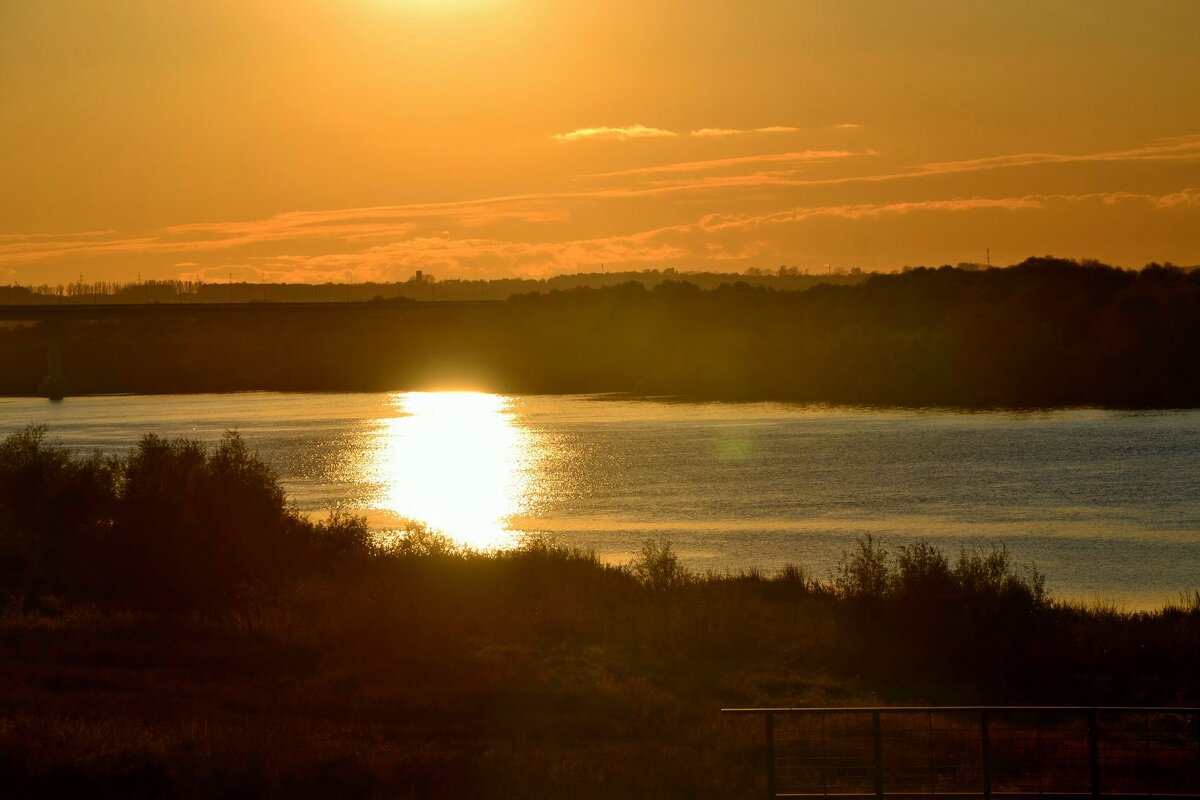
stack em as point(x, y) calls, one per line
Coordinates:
point(174, 524)
point(865, 572)
point(53, 507)
point(923, 575)
point(990, 575)
point(657, 567)
point(191, 525)
point(417, 540)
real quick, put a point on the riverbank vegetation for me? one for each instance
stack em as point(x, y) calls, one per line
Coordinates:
point(172, 628)
point(1047, 332)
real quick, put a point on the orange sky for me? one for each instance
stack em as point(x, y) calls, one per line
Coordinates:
point(365, 139)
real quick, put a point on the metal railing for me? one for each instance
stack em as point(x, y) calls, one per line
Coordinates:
point(981, 751)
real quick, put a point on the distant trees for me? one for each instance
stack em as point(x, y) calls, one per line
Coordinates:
point(1047, 332)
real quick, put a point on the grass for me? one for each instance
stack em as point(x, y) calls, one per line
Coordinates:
point(414, 668)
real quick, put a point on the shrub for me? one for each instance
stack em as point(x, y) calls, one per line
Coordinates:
point(192, 524)
point(923, 573)
point(865, 572)
point(989, 576)
point(174, 524)
point(657, 567)
point(417, 540)
point(343, 537)
point(53, 507)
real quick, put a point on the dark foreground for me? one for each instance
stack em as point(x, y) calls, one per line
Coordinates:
point(174, 630)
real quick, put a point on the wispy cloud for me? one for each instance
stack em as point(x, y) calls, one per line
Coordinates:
point(1183, 149)
point(471, 255)
point(1187, 197)
point(33, 237)
point(712, 237)
point(718, 132)
point(619, 134)
point(1180, 149)
point(403, 229)
point(349, 225)
point(450, 232)
point(737, 161)
point(720, 222)
point(647, 132)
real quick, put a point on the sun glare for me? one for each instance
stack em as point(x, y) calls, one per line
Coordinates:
point(435, 5)
point(456, 462)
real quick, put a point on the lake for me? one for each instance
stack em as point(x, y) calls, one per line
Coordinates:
point(1106, 503)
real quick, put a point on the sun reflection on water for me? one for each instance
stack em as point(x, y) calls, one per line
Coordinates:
point(456, 461)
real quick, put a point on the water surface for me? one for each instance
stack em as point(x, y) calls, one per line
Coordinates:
point(1106, 503)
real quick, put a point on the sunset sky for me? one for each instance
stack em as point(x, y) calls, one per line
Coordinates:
point(365, 139)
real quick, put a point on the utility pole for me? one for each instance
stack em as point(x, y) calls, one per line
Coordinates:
point(989, 258)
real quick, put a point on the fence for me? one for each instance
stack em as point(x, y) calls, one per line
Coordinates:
point(986, 752)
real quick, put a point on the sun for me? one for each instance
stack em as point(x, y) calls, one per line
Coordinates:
point(437, 6)
point(457, 462)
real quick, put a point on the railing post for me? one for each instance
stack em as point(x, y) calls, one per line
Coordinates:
point(1041, 766)
point(932, 756)
point(877, 730)
point(770, 756)
point(985, 751)
point(1093, 752)
point(824, 758)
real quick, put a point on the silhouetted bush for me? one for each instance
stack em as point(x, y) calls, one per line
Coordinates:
point(53, 507)
point(173, 524)
point(657, 567)
point(920, 573)
point(864, 573)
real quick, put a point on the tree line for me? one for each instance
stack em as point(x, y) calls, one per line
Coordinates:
point(1046, 332)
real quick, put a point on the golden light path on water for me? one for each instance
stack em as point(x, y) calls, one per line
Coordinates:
point(456, 461)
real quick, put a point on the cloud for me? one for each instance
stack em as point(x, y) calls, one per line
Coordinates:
point(717, 132)
point(468, 256)
point(408, 226)
point(29, 237)
point(1184, 148)
point(853, 211)
point(737, 161)
point(712, 237)
point(1184, 198)
point(469, 233)
point(618, 134)
point(646, 132)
